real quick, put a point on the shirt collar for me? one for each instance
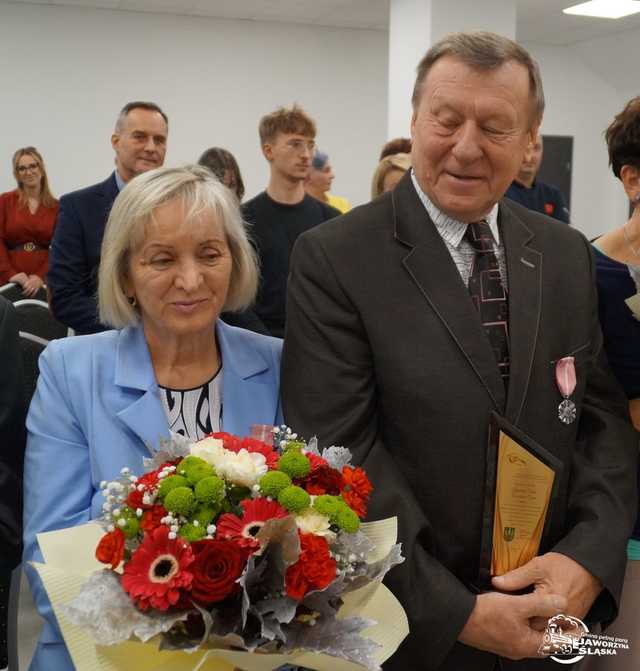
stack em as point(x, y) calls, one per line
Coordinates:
point(449, 228)
point(119, 181)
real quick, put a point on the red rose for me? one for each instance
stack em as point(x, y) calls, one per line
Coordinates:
point(218, 565)
point(314, 570)
point(110, 549)
point(151, 518)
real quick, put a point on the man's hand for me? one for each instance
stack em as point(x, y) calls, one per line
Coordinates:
point(554, 573)
point(500, 623)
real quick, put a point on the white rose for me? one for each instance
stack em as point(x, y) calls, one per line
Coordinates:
point(242, 468)
point(310, 521)
point(210, 450)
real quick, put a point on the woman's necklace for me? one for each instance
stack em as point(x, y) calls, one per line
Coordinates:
point(626, 237)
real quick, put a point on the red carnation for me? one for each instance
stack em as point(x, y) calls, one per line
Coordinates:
point(314, 570)
point(243, 530)
point(151, 518)
point(218, 565)
point(156, 576)
point(110, 549)
point(229, 441)
point(357, 489)
point(149, 481)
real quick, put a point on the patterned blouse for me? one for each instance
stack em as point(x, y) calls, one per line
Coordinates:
point(194, 413)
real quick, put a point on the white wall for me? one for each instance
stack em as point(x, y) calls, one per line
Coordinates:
point(581, 103)
point(67, 71)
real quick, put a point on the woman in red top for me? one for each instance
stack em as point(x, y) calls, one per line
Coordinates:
point(27, 218)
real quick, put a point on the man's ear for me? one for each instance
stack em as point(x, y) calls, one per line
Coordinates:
point(532, 134)
point(413, 124)
point(267, 150)
point(115, 138)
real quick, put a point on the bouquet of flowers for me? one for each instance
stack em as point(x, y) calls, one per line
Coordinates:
point(239, 544)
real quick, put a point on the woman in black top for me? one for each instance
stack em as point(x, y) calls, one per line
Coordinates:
point(618, 275)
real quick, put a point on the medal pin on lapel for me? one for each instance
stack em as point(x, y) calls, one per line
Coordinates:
point(566, 381)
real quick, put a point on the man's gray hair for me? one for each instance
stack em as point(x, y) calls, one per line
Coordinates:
point(483, 51)
point(135, 105)
point(201, 193)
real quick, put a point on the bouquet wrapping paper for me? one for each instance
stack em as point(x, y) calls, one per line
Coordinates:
point(64, 572)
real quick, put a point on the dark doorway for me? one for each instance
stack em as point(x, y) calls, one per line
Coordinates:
point(557, 163)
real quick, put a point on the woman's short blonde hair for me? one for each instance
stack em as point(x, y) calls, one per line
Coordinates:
point(388, 163)
point(200, 192)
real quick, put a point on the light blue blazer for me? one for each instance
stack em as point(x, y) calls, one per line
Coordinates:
point(97, 409)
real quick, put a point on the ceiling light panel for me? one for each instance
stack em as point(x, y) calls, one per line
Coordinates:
point(605, 9)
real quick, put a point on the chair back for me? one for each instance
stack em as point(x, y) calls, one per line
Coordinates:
point(13, 292)
point(35, 317)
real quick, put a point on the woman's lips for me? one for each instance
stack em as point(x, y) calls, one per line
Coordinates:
point(187, 306)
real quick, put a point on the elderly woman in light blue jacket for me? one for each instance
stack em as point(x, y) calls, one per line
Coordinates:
point(175, 254)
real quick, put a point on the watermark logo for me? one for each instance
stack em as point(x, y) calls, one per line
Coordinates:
point(567, 640)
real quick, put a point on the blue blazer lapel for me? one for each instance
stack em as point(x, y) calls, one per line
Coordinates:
point(248, 395)
point(144, 415)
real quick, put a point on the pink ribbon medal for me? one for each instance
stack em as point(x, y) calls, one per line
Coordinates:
point(566, 381)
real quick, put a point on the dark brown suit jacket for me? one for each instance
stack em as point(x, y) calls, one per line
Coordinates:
point(384, 353)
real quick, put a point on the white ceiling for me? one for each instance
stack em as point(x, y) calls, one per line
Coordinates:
point(539, 21)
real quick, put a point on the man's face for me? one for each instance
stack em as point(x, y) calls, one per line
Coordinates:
point(290, 155)
point(531, 161)
point(140, 143)
point(470, 130)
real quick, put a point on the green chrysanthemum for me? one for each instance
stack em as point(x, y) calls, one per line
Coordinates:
point(194, 469)
point(273, 482)
point(173, 481)
point(294, 499)
point(294, 464)
point(192, 533)
point(210, 490)
point(180, 500)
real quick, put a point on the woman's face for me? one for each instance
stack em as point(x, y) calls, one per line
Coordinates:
point(29, 172)
point(391, 179)
point(322, 179)
point(179, 274)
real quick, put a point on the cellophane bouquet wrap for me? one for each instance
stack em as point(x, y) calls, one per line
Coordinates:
point(236, 544)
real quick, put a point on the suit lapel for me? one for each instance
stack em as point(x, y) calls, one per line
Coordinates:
point(431, 267)
point(524, 269)
point(246, 398)
point(144, 414)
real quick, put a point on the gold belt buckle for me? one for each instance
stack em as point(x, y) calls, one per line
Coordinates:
point(29, 246)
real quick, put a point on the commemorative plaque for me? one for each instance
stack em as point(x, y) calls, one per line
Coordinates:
point(522, 479)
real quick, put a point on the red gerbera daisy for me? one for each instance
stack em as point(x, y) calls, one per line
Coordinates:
point(244, 529)
point(156, 575)
point(357, 489)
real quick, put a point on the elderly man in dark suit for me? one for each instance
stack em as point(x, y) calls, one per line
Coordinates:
point(413, 318)
point(12, 442)
point(140, 143)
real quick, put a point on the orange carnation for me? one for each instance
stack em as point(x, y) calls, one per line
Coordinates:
point(357, 489)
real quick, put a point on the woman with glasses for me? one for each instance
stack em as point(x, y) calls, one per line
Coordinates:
point(27, 218)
